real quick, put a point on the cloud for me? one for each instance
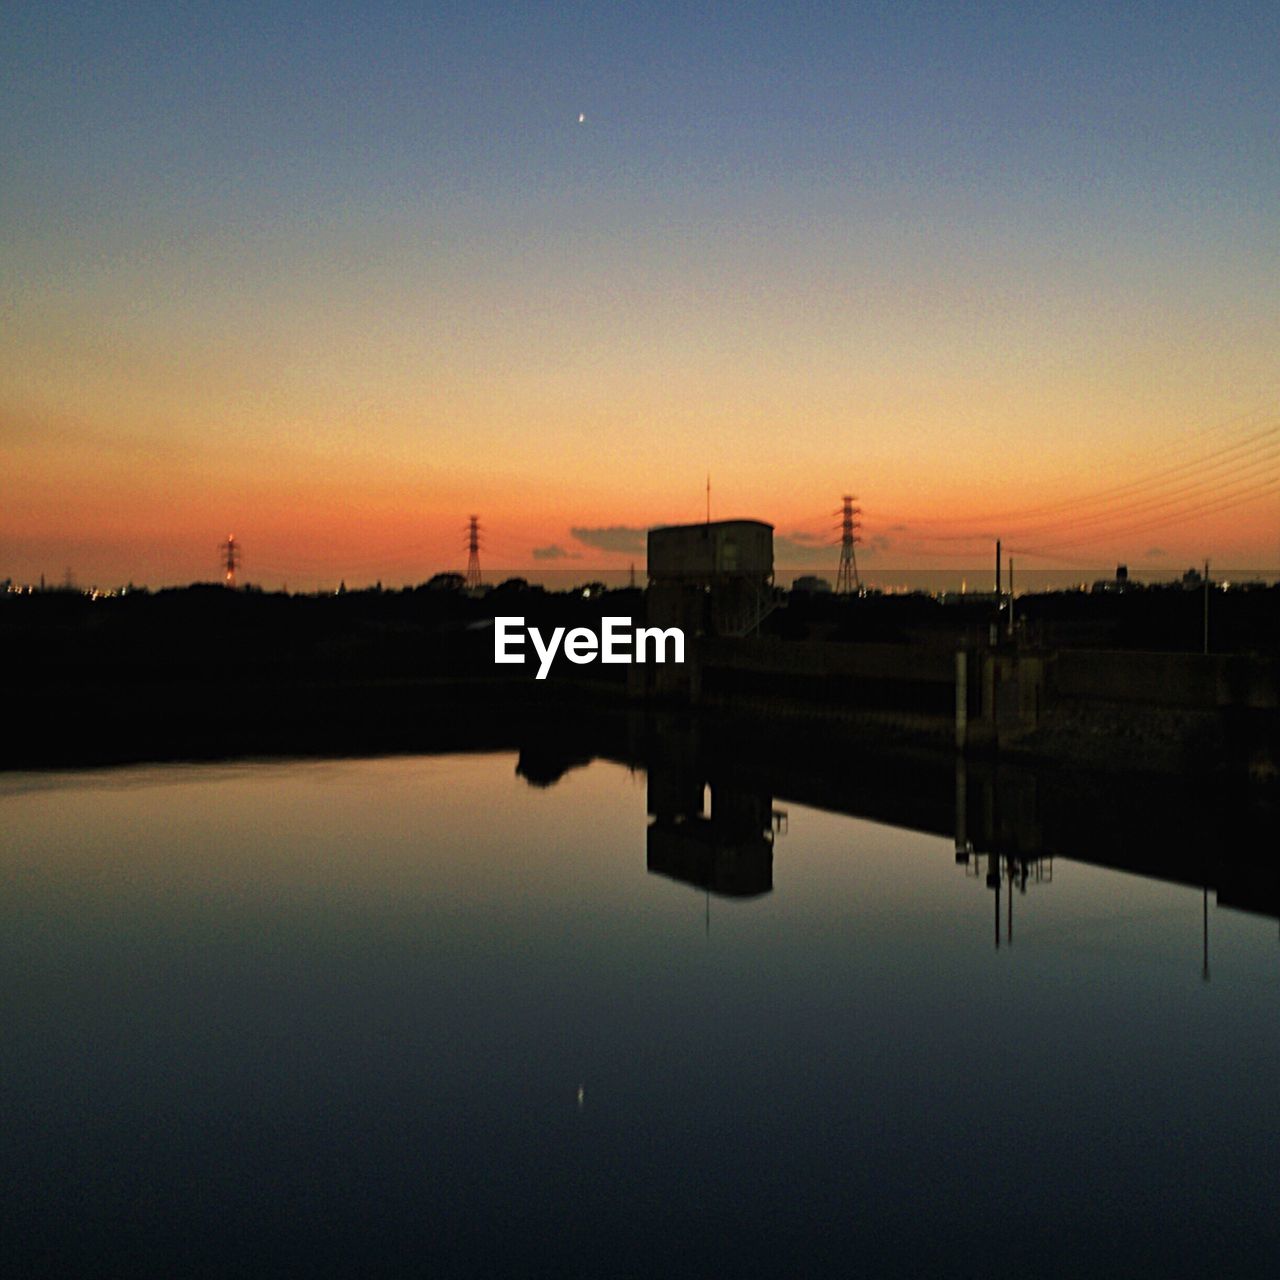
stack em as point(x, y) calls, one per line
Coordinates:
point(1156, 553)
point(797, 550)
point(804, 550)
point(614, 537)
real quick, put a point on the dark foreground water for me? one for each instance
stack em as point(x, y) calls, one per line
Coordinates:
point(415, 1016)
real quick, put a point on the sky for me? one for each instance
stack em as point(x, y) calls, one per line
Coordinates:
point(333, 277)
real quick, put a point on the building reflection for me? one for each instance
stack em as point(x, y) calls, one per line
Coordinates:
point(1006, 876)
point(712, 801)
point(1010, 823)
point(713, 835)
point(1010, 855)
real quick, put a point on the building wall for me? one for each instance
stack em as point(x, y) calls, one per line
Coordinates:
point(706, 552)
point(1189, 680)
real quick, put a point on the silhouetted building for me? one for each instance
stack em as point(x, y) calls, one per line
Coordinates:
point(714, 578)
point(1119, 583)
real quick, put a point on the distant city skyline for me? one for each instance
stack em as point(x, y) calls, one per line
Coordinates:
point(332, 279)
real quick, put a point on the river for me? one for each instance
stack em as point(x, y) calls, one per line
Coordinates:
point(442, 1015)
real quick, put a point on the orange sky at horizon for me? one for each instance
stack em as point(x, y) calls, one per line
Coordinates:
point(351, 440)
point(117, 506)
point(99, 482)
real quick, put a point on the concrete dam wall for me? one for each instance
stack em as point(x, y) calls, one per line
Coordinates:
point(1133, 711)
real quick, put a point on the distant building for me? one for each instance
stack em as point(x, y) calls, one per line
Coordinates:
point(1119, 583)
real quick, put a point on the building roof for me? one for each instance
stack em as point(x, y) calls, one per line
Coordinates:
point(709, 524)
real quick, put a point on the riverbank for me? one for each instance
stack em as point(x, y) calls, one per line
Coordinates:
point(206, 673)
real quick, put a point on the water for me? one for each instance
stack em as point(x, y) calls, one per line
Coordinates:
point(416, 1015)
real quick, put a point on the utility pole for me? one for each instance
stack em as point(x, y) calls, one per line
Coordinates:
point(995, 625)
point(1011, 597)
point(1206, 606)
point(1204, 962)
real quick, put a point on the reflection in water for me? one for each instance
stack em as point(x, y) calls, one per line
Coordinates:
point(543, 764)
point(420, 1015)
point(1009, 872)
point(727, 851)
point(1010, 868)
point(1204, 969)
point(718, 835)
point(713, 819)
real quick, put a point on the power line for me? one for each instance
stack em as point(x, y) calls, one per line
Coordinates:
point(1237, 473)
point(1240, 498)
point(1257, 443)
